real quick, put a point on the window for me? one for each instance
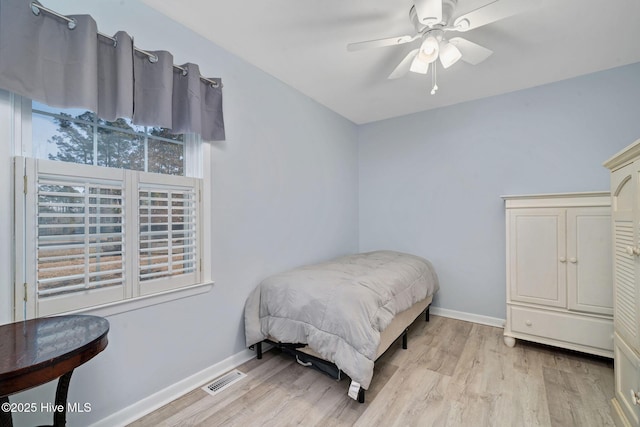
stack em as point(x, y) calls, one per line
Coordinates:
point(79, 136)
point(107, 212)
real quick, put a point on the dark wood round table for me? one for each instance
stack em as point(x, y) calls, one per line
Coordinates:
point(36, 351)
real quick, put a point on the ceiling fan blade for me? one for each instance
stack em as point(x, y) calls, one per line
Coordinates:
point(471, 53)
point(492, 12)
point(391, 41)
point(429, 11)
point(404, 65)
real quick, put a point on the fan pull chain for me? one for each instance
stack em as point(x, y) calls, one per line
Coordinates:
point(434, 79)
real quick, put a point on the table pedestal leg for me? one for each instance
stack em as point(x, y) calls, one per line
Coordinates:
point(60, 418)
point(5, 416)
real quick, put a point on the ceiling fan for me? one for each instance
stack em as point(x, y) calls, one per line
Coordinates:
point(432, 20)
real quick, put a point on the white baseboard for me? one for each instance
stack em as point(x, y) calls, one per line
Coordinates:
point(469, 317)
point(174, 391)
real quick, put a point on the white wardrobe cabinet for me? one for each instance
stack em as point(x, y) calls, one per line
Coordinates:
point(625, 214)
point(559, 280)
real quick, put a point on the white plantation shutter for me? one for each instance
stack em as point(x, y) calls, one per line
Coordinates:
point(101, 235)
point(168, 232)
point(79, 235)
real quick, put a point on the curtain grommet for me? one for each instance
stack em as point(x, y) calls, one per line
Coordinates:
point(72, 23)
point(153, 59)
point(34, 8)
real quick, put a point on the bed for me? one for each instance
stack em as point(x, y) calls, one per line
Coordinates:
point(341, 315)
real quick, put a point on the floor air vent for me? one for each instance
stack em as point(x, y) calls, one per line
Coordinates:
point(223, 382)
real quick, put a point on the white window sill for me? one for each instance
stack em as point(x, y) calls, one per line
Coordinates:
point(144, 301)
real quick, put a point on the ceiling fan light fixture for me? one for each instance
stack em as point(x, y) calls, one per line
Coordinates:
point(429, 50)
point(449, 54)
point(432, 20)
point(419, 66)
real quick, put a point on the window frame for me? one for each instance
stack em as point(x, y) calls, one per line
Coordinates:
point(24, 293)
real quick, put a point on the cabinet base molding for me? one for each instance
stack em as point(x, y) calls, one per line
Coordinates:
point(513, 337)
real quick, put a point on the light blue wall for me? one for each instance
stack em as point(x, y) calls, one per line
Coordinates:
point(430, 183)
point(285, 189)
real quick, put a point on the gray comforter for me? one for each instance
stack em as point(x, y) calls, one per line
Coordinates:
point(338, 308)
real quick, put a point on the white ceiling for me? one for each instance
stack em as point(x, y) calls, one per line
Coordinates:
point(303, 44)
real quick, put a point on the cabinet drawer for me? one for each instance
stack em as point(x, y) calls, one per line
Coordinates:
point(589, 331)
point(627, 378)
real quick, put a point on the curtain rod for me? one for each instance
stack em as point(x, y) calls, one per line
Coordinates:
point(71, 23)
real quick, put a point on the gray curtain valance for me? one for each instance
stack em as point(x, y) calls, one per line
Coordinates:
point(115, 77)
point(42, 58)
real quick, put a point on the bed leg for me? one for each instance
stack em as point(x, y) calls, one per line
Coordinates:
point(404, 338)
point(259, 350)
point(361, 395)
point(426, 314)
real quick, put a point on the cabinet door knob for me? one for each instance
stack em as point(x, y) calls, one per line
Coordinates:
point(635, 398)
point(573, 260)
point(636, 251)
point(630, 250)
point(563, 259)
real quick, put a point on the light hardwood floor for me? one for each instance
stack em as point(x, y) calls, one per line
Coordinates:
point(454, 373)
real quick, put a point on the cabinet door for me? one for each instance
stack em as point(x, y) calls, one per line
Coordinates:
point(589, 269)
point(537, 263)
point(627, 380)
point(624, 208)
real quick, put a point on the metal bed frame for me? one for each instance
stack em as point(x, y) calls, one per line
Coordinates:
point(322, 365)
